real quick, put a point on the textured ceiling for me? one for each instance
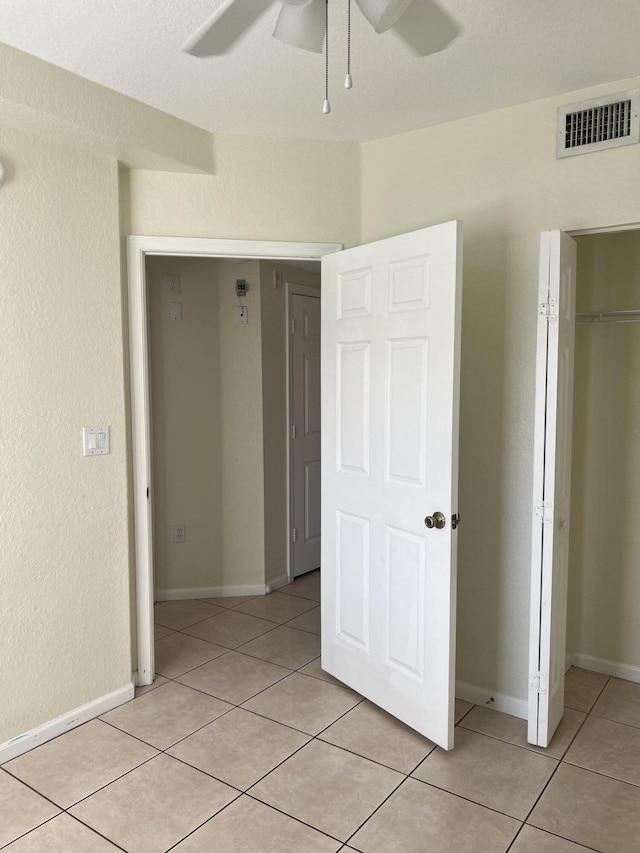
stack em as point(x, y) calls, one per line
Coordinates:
point(506, 52)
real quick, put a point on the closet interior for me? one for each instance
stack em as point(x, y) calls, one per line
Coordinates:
point(603, 625)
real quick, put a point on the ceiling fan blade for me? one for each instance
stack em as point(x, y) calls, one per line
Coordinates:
point(426, 28)
point(222, 29)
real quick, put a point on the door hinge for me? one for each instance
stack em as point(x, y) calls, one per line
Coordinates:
point(293, 325)
point(540, 683)
point(544, 512)
point(549, 309)
point(147, 491)
point(294, 535)
point(293, 430)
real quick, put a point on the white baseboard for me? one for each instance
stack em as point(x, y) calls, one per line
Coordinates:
point(490, 699)
point(17, 745)
point(608, 667)
point(283, 580)
point(209, 592)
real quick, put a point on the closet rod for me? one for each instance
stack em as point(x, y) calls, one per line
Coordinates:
point(608, 317)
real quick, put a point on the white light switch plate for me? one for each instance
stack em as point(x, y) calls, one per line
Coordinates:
point(95, 440)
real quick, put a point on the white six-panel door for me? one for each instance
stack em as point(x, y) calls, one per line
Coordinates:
point(552, 484)
point(305, 433)
point(391, 315)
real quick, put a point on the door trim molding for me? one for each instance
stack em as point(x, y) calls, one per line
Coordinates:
point(138, 247)
point(605, 229)
point(291, 290)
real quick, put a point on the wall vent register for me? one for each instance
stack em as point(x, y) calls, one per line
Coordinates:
point(600, 123)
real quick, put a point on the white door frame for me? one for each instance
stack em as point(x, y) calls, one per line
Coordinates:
point(137, 250)
point(300, 290)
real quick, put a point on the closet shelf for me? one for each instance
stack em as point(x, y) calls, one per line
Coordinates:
point(608, 317)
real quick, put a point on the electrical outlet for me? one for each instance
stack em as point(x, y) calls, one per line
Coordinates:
point(179, 533)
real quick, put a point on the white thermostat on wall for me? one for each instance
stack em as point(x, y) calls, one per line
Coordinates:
point(95, 440)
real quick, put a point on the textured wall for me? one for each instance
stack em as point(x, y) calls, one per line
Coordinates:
point(498, 173)
point(64, 608)
point(44, 99)
point(242, 460)
point(604, 577)
point(274, 395)
point(186, 423)
point(263, 189)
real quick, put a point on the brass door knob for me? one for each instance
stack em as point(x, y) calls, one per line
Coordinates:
point(436, 520)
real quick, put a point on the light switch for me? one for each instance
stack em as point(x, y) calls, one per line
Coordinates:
point(95, 441)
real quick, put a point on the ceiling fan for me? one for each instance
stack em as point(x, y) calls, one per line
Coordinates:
point(421, 24)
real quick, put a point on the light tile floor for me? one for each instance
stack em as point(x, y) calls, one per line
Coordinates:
point(244, 745)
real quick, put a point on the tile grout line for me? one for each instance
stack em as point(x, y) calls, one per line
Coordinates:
point(234, 706)
point(317, 737)
point(561, 761)
point(33, 828)
point(377, 808)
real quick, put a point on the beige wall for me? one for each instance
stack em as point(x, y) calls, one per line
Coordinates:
point(186, 422)
point(207, 427)
point(44, 99)
point(263, 189)
point(274, 396)
point(498, 173)
point(64, 607)
point(242, 479)
point(604, 580)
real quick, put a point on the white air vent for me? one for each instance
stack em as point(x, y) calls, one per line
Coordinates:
point(600, 123)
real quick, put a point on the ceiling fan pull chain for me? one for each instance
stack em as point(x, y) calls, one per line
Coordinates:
point(326, 107)
point(348, 82)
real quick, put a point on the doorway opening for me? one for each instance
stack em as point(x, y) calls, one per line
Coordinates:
point(585, 592)
point(603, 624)
point(143, 251)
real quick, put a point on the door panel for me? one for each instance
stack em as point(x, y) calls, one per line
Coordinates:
point(390, 383)
point(552, 484)
point(305, 412)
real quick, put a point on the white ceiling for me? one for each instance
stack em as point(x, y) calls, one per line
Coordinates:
point(507, 52)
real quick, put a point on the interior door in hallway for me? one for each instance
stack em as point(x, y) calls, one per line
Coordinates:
point(391, 314)
point(305, 432)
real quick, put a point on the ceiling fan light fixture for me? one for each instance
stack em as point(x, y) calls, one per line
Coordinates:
point(302, 25)
point(383, 14)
